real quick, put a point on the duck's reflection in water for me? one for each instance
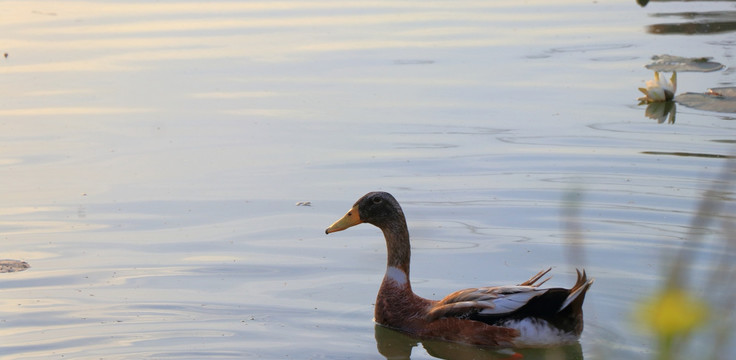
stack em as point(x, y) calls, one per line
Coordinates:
point(395, 345)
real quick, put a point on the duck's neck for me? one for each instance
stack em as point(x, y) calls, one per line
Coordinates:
point(398, 254)
point(396, 305)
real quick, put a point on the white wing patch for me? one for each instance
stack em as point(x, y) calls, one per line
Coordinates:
point(486, 300)
point(512, 301)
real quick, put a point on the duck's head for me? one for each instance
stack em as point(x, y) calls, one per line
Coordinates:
point(377, 208)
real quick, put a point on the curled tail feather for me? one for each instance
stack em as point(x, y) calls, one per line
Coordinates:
point(577, 292)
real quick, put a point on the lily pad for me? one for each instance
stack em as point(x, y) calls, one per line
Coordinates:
point(721, 99)
point(7, 266)
point(669, 63)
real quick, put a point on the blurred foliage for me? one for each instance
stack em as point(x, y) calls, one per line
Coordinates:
point(679, 314)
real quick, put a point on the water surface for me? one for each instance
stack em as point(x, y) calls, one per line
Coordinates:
point(152, 156)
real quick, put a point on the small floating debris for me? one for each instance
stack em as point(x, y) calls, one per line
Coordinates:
point(7, 265)
point(669, 63)
point(721, 99)
point(304, 203)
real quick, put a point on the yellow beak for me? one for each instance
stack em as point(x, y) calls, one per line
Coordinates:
point(352, 218)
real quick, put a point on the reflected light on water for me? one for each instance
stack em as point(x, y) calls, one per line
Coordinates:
point(235, 95)
point(61, 111)
point(235, 30)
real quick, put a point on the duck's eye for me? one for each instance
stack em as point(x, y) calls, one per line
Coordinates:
point(377, 200)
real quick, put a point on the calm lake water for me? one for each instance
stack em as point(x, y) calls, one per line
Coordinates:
point(152, 156)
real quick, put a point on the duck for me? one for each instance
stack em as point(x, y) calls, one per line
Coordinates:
point(523, 315)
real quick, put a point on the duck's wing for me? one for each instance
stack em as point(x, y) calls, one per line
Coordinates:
point(485, 300)
point(493, 304)
point(561, 308)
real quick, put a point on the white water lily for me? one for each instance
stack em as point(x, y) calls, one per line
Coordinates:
point(660, 89)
